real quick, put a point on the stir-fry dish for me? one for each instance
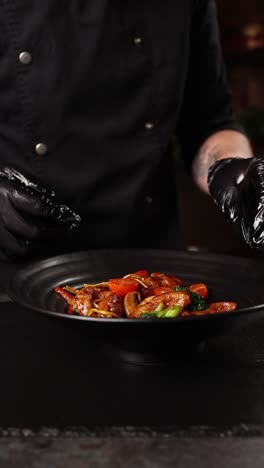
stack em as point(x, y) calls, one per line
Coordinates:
point(141, 295)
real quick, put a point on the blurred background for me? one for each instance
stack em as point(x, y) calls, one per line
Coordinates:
point(242, 34)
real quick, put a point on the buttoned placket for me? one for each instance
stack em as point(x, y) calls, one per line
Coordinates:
point(139, 42)
point(149, 125)
point(25, 58)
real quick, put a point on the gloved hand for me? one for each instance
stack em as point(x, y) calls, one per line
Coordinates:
point(28, 213)
point(237, 188)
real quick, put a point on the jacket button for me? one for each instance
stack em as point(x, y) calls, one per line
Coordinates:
point(41, 149)
point(25, 58)
point(148, 200)
point(138, 41)
point(149, 126)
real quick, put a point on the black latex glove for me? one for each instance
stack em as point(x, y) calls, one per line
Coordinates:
point(28, 213)
point(237, 188)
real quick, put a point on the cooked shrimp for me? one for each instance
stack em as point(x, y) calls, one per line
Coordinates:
point(172, 299)
point(84, 299)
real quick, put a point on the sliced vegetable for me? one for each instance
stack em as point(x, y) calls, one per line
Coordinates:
point(70, 290)
point(131, 301)
point(65, 294)
point(198, 302)
point(122, 286)
point(171, 312)
point(199, 288)
point(159, 307)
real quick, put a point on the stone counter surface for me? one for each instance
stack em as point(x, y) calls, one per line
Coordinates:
point(131, 451)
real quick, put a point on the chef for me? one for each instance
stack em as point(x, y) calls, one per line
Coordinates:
point(93, 94)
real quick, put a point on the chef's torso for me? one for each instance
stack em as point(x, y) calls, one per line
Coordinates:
point(90, 95)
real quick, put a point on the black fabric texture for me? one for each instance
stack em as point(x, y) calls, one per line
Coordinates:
point(108, 87)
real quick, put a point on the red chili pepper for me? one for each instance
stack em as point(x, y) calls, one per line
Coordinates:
point(65, 294)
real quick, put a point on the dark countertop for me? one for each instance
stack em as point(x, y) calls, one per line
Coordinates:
point(154, 452)
point(64, 401)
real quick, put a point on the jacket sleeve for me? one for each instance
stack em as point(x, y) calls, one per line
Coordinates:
point(207, 101)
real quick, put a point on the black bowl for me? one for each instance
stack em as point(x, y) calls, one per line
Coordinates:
point(146, 340)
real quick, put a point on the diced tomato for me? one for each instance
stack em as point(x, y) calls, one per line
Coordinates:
point(141, 273)
point(161, 290)
point(122, 286)
point(70, 309)
point(65, 294)
point(199, 288)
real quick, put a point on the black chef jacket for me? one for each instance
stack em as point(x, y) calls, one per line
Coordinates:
point(92, 95)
